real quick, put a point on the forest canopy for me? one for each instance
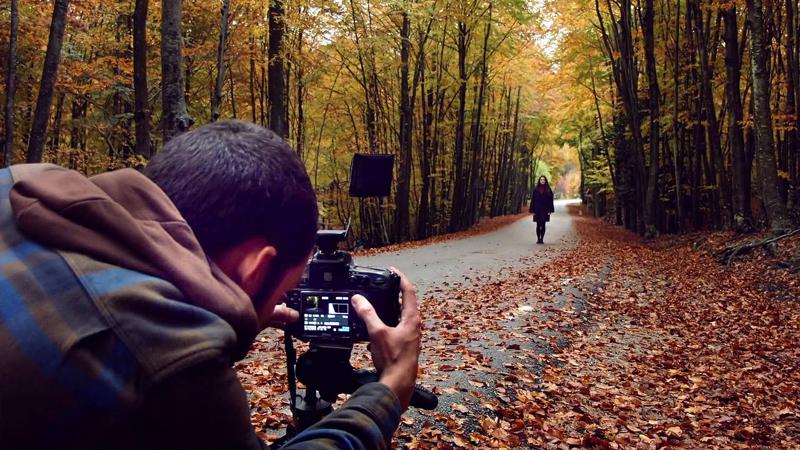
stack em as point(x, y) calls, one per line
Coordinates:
point(659, 114)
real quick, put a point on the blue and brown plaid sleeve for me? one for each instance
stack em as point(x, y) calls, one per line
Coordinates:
point(366, 421)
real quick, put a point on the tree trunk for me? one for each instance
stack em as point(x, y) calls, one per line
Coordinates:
point(654, 94)
point(277, 76)
point(141, 114)
point(677, 159)
point(743, 216)
point(301, 119)
point(457, 204)
point(49, 73)
point(716, 160)
point(765, 154)
point(176, 119)
point(253, 108)
point(232, 95)
point(475, 181)
point(55, 142)
point(11, 81)
point(423, 216)
point(216, 100)
point(406, 127)
point(793, 100)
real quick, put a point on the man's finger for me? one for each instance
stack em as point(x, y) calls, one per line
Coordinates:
point(367, 313)
point(284, 314)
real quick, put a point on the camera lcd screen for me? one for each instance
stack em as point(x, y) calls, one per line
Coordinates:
point(326, 313)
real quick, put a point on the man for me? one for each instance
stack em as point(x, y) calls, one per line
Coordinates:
point(125, 299)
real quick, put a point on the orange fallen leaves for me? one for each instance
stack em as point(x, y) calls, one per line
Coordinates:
point(614, 344)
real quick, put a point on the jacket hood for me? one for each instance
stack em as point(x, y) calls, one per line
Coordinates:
point(124, 219)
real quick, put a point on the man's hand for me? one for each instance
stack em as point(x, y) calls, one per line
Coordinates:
point(282, 315)
point(395, 351)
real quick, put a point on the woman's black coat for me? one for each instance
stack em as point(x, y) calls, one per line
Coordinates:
point(542, 204)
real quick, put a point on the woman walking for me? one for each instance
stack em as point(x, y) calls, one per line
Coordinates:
point(541, 206)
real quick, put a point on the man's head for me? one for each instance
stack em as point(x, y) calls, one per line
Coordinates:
point(248, 199)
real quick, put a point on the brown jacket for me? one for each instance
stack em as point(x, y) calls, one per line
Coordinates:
point(116, 331)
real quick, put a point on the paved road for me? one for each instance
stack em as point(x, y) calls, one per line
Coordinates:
point(454, 262)
point(468, 263)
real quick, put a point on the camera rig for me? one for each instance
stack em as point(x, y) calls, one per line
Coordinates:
point(330, 281)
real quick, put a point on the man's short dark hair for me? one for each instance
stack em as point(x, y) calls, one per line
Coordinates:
point(234, 181)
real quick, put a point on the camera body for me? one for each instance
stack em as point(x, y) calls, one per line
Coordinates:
point(323, 296)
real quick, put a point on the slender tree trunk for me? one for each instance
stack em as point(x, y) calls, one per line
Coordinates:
point(301, 120)
point(514, 167)
point(11, 82)
point(406, 127)
point(176, 118)
point(263, 98)
point(232, 95)
point(216, 100)
point(423, 216)
point(141, 113)
point(49, 73)
point(187, 90)
point(55, 142)
point(277, 75)
point(765, 154)
point(476, 138)
point(677, 157)
point(793, 100)
point(457, 204)
point(743, 216)
point(253, 108)
point(654, 94)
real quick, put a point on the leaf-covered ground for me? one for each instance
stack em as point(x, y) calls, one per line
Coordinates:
point(613, 344)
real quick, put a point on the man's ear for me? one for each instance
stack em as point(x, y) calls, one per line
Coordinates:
point(255, 267)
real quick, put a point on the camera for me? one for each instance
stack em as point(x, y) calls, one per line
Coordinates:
point(323, 295)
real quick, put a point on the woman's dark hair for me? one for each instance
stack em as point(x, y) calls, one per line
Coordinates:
point(233, 181)
point(546, 181)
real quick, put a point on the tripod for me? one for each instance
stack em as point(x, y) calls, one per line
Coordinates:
point(326, 372)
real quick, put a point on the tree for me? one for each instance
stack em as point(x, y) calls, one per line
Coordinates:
point(406, 126)
point(11, 80)
point(654, 98)
point(459, 200)
point(743, 215)
point(38, 133)
point(277, 74)
point(176, 118)
point(765, 153)
point(141, 114)
point(216, 100)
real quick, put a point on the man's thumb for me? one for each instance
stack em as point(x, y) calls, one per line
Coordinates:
point(366, 312)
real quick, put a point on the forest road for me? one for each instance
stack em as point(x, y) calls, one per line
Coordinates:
point(476, 358)
point(457, 262)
